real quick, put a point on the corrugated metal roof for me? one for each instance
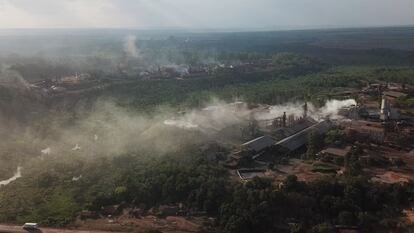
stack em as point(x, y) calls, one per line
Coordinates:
point(337, 151)
point(298, 140)
point(260, 143)
point(394, 94)
point(293, 129)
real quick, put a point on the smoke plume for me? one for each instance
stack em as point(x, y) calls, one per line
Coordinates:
point(109, 130)
point(130, 47)
point(11, 78)
point(329, 110)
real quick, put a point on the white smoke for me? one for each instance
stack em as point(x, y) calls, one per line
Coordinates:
point(182, 70)
point(329, 110)
point(332, 107)
point(12, 78)
point(270, 113)
point(213, 118)
point(46, 151)
point(76, 178)
point(219, 115)
point(122, 131)
point(130, 47)
point(76, 148)
point(16, 176)
point(180, 124)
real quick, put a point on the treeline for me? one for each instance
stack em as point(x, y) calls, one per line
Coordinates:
point(259, 205)
point(49, 195)
point(318, 206)
point(268, 88)
point(194, 92)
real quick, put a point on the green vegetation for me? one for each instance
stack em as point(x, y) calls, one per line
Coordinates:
point(53, 192)
point(48, 195)
point(335, 137)
point(257, 206)
point(263, 87)
point(404, 102)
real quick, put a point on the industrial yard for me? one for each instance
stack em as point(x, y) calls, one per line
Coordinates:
point(373, 125)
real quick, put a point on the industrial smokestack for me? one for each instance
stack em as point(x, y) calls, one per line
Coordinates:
point(305, 109)
point(284, 119)
point(385, 109)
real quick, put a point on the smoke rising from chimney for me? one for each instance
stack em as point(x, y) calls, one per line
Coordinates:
point(329, 110)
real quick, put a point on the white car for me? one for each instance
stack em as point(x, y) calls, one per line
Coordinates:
point(30, 226)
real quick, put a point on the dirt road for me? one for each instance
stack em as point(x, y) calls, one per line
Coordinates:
point(18, 229)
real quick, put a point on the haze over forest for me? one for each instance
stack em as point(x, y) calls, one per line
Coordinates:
point(203, 14)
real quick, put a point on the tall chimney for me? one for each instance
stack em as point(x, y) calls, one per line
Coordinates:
point(385, 109)
point(284, 119)
point(305, 109)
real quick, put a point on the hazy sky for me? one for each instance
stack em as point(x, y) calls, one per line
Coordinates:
point(203, 13)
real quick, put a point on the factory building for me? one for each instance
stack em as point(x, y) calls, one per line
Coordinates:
point(298, 140)
point(287, 125)
point(294, 127)
point(259, 144)
point(286, 135)
point(265, 148)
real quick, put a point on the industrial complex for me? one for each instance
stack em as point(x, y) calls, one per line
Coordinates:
point(376, 125)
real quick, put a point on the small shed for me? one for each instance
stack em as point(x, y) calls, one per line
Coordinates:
point(336, 152)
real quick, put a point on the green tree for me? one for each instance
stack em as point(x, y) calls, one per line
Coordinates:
point(315, 143)
point(335, 137)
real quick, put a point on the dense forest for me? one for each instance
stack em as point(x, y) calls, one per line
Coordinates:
point(51, 197)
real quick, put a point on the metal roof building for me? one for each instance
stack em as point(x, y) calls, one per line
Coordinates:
point(394, 94)
point(294, 128)
point(299, 139)
point(259, 144)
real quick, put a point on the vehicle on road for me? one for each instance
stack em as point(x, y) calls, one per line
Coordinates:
point(30, 226)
